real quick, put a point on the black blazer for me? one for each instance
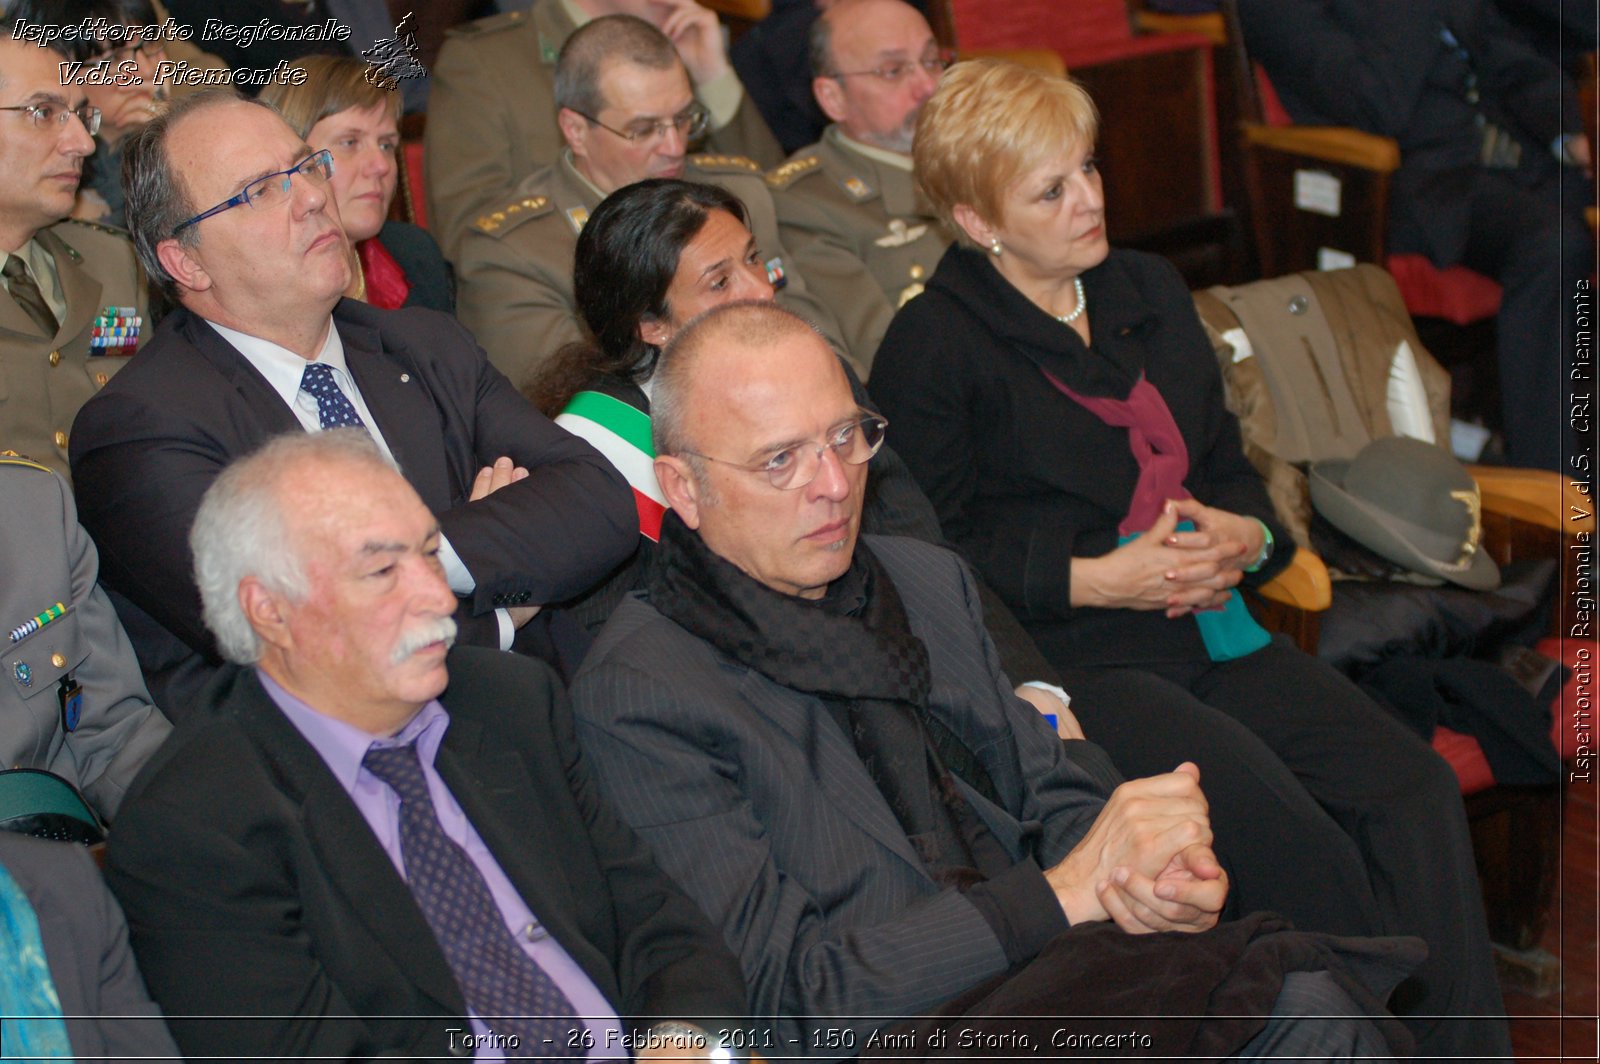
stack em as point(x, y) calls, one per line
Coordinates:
point(254, 886)
point(1380, 66)
point(1025, 479)
point(433, 283)
point(147, 446)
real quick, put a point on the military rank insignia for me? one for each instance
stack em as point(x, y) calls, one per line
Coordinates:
point(775, 275)
point(115, 331)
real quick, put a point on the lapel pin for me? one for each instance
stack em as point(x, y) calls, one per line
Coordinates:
point(405, 378)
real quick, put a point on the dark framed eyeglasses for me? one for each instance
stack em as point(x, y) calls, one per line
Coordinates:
point(935, 64)
point(691, 122)
point(794, 467)
point(46, 114)
point(273, 189)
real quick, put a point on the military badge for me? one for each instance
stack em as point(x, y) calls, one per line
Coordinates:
point(900, 234)
point(115, 331)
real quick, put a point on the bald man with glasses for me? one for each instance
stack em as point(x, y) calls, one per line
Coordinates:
point(75, 301)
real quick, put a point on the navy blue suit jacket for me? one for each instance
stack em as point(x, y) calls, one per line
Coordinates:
point(147, 446)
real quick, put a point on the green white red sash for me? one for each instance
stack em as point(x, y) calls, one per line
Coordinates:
point(622, 433)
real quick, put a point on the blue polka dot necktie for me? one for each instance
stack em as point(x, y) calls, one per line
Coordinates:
point(333, 409)
point(504, 986)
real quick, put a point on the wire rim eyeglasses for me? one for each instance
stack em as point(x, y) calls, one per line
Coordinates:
point(272, 189)
point(43, 113)
point(792, 468)
point(892, 72)
point(690, 122)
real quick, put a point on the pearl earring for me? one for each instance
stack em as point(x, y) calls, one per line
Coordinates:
point(994, 245)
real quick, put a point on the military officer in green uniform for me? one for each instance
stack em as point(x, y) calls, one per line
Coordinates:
point(492, 114)
point(623, 120)
point(74, 301)
point(72, 701)
point(850, 200)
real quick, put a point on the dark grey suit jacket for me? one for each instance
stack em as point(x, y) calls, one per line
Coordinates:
point(108, 1011)
point(756, 801)
point(254, 886)
point(145, 449)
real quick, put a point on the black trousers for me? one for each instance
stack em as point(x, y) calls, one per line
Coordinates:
point(1325, 808)
point(1531, 237)
point(1095, 993)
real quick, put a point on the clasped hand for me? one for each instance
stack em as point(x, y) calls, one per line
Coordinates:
point(1165, 569)
point(1146, 862)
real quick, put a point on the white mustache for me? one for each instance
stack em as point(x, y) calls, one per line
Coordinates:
point(424, 634)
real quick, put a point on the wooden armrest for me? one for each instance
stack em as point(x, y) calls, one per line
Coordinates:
point(1043, 60)
point(750, 10)
point(1334, 144)
point(1304, 584)
point(1538, 496)
point(1209, 24)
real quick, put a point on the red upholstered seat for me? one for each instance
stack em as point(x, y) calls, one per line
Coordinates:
point(412, 151)
point(1094, 31)
point(1456, 294)
point(1464, 754)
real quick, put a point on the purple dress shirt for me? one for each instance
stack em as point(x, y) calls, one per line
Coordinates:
point(342, 747)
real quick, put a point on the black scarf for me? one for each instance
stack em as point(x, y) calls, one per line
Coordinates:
point(855, 650)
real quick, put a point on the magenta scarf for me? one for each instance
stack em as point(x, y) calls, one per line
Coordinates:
point(1155, 441)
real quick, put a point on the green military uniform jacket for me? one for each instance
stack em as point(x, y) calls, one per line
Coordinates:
point(50, 560)
point(514, 269)
point(492, 116)
point(45, 379)
point(857, 227)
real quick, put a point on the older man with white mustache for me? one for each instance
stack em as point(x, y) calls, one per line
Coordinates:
point(371, 844)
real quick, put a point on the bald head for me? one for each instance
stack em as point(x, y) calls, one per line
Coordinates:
point(761, 449)
point(850, 43)
point(708, 347)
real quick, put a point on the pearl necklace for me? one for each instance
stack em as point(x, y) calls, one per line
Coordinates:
point(1077, 311)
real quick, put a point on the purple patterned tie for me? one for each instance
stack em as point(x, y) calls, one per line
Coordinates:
point(504, 987)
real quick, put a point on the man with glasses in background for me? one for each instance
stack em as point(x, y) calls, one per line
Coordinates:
point(627, 113)
point(850, 197)
point(76, 301)
point(492, 114)
point(233, 217)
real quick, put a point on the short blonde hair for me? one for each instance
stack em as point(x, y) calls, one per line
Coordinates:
point(333, 83)
point(989, 123)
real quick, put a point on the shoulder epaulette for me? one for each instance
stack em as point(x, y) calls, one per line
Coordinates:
point(99, 227)
point(724, 164)
point(12, 458)
point(781, 177)
point(491, 24)
point(499, 222)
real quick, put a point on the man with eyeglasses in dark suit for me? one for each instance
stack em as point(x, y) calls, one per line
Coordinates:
point(233, 217)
